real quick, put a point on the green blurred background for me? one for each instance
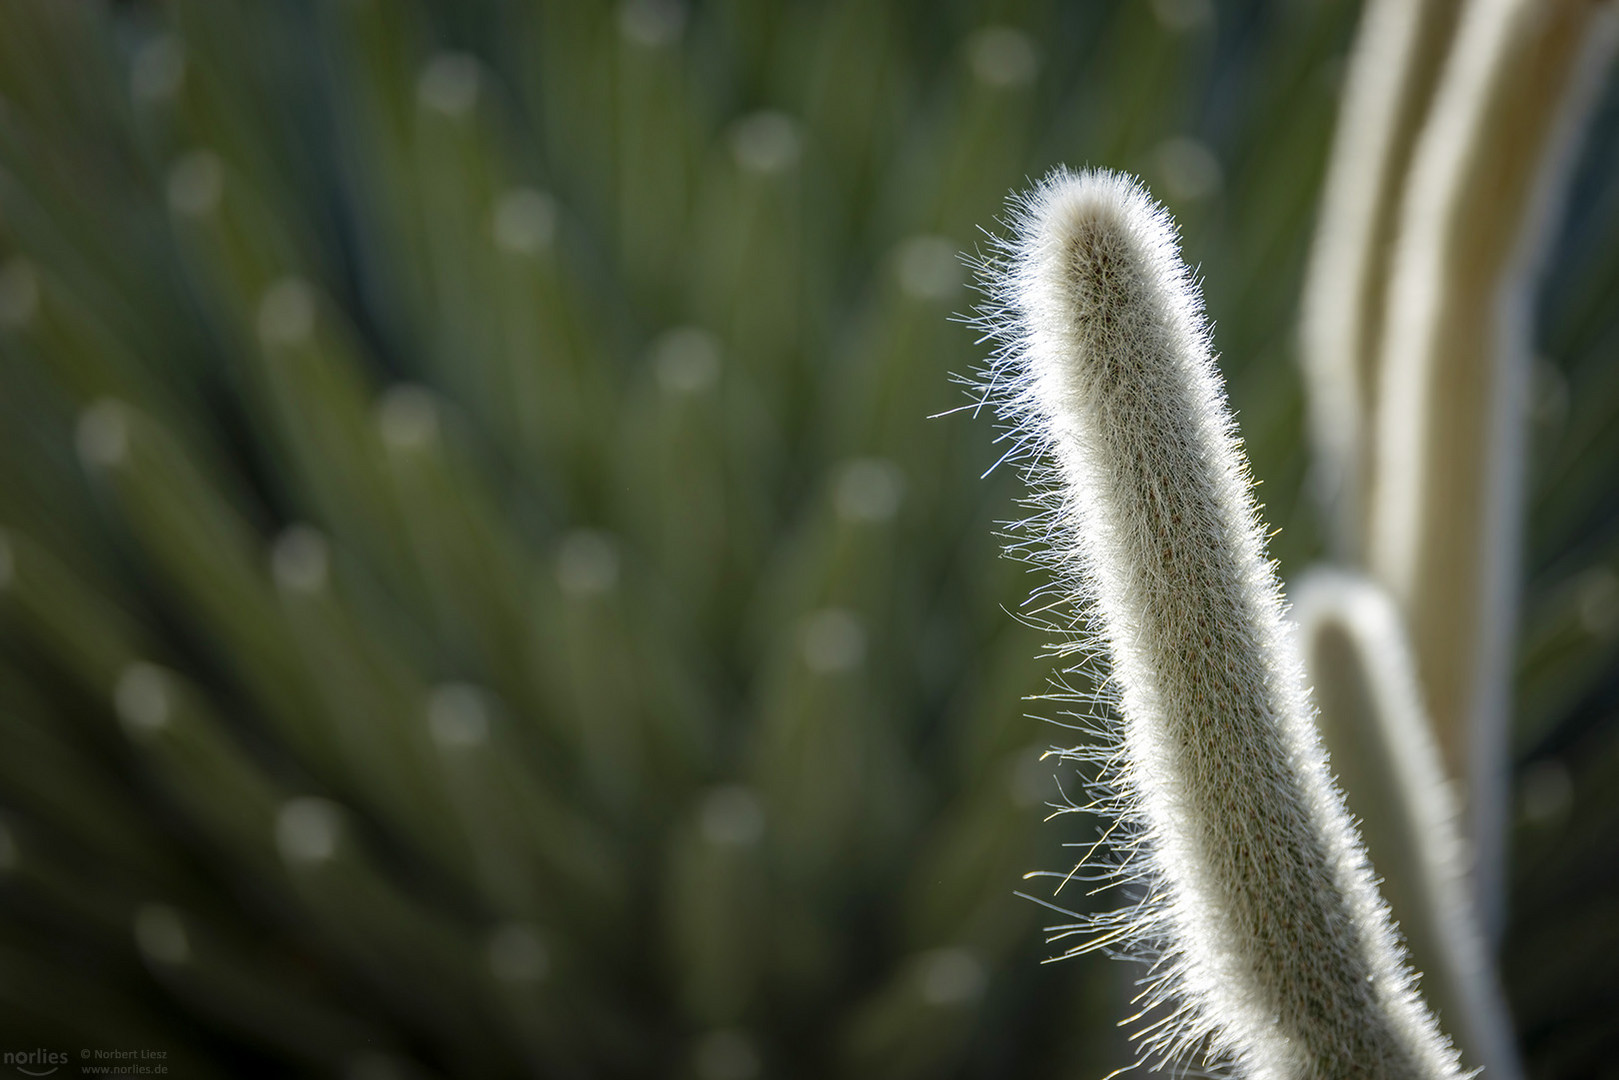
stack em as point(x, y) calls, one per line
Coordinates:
point(481, 593)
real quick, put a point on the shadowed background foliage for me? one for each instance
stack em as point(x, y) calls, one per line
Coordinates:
point(480, 592)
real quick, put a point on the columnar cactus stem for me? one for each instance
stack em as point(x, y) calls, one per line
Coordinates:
point(1399, 52)
point(1485, 184)
point(1383, 755)
point(1271, 946)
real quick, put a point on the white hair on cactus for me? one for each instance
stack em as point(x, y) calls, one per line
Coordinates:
point(1270, 948)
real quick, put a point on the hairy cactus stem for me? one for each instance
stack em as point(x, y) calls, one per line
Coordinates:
point(1270, 946)
point(1383, 755)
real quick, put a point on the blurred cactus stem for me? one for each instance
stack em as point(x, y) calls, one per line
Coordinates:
point(1270, 945)
point(1399, 52)
point(1487, 181)
point(1382, 753)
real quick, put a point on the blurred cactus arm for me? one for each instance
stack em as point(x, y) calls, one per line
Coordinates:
point(1446, 510)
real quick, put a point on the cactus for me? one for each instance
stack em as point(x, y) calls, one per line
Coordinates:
point(1394, 68)
point(1445, 514)
point(480, 593)
point(1382, 755)
point(1268, 942)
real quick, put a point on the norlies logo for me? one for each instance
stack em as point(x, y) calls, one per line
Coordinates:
point(35, 1062)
